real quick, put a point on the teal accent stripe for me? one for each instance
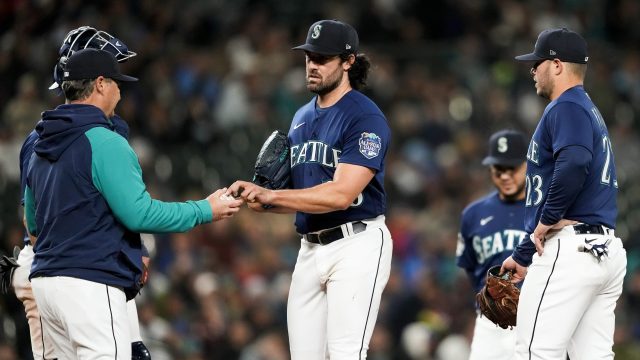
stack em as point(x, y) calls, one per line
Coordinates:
point(117, 175)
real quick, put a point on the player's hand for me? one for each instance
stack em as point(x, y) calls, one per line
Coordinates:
point(145, 270)
point(518, 271)
point(223, 206)
point(257, 207)
point(251, 192)
point(539, 235)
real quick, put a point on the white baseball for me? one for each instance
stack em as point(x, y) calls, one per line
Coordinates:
point(226, 197)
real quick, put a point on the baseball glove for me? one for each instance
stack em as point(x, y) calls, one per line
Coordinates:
point(7, 266)
point(273, 167)
point(498, 299)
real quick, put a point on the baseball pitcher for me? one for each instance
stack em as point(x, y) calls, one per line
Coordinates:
point(338, 143)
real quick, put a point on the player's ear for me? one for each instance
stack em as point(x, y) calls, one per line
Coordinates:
point(346, 64)
point(558, 66)
point(99, 84)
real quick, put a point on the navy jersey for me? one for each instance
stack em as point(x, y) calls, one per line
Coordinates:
point(572, 120)
point(352, 131)
point(25, 155)
point(490, 230)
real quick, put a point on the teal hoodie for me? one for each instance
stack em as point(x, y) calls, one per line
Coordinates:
point(84, 197)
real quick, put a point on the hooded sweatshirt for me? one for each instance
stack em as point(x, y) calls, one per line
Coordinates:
point(85, 199)
point(117, 124)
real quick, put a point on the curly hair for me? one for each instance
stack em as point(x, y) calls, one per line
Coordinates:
point(359, 70)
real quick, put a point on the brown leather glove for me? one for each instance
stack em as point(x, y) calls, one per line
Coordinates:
point(498, 299)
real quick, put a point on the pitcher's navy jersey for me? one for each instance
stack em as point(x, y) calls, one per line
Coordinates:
point(490, 229)
point(572, 119)
point(352, 131)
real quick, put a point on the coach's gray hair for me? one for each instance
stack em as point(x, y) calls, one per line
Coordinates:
point(77, 89)
point(359, 70)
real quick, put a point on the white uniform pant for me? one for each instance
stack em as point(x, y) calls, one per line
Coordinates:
point(86, 320)
point(42, 346)
point(41, 343)
point(568, 300)
point(491, 342)
point(335, 294)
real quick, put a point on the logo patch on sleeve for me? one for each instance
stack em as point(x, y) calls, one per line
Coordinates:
point(370, 145)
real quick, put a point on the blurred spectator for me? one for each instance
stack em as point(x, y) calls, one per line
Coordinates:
point(217, 77)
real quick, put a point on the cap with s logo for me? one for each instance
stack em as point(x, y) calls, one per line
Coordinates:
point(506, 148)
point(331, 37)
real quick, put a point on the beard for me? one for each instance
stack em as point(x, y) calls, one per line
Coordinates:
point(516, 195)
point(327, 84)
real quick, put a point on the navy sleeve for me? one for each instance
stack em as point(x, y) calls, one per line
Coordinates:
point(465, 256)
point(571, 170)
point(523, 254)
point(366, 142)
point(569, 124)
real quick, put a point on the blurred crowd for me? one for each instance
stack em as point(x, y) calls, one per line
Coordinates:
point(216, 77)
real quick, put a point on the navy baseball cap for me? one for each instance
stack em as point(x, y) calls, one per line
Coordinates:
point(331, 37)
point(91, 63)
point(506, 148)
point(562, 44)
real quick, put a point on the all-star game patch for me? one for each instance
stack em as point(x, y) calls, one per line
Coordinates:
point(370, 145)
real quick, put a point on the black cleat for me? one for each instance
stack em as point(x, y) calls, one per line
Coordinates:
point(139, 351)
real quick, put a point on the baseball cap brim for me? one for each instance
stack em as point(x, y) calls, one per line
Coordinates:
point(122, 77)
point(317, 50)
point(529, 57)
point(492, 160)
point(125, 78)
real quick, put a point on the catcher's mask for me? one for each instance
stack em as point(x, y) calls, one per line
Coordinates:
point(87, 37)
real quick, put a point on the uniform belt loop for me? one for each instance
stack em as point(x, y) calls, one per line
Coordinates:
point(328, 236)
point(349, 229)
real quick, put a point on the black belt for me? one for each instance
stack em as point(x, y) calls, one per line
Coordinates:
point(582, 229)
point(328, 236)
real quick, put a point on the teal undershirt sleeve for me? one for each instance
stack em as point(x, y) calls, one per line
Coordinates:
point(116, 173)
point(30, 211)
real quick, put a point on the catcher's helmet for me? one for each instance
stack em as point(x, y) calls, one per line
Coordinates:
point(87, 37)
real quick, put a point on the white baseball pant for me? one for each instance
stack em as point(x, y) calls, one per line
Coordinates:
point(335, 294)
point(491, 342)
point(86, 320)
point(568, 299)
point(41, 343)
point(134, 324)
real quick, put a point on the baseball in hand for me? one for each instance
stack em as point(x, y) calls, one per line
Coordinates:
point(226, 197)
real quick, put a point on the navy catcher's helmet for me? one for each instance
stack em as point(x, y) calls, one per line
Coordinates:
point(87, 37)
